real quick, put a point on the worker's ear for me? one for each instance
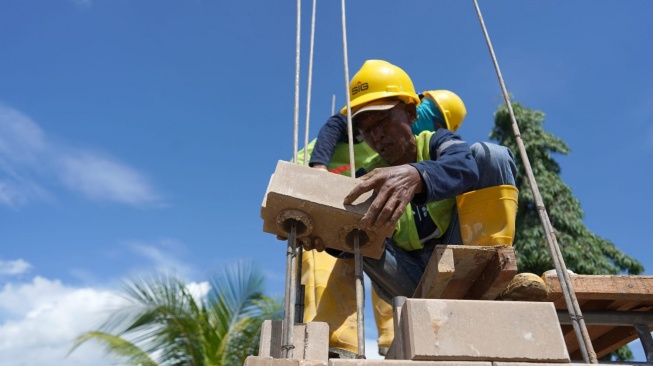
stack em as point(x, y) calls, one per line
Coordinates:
point(411, 112)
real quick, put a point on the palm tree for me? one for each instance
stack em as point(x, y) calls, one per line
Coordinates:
point(163, 323)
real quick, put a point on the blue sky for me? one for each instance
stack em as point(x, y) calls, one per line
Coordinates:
point(141, 135)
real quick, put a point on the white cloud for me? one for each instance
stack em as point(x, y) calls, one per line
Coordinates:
point(101, 178)
point(29, 161)
point(14, 267)
point(40, 319)
point(163, 255)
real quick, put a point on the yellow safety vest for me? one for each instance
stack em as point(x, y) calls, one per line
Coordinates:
point(406, 235)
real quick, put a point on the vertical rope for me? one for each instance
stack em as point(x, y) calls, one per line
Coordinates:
point(360, 289)
point(575, 314)
point(333, 104)
point(310, 81)
point(297, 59)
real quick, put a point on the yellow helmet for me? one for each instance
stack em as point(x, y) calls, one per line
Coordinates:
point(378, 79)
point(452, 107)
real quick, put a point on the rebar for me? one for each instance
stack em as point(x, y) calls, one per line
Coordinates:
point(575, 314)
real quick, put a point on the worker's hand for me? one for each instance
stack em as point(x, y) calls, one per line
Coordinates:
point(394, 186)
point(312, 242)
point(308, 242)
point(319, 166)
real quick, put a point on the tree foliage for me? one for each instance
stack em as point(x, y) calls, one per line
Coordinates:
point(163, 323)
point(583, 251)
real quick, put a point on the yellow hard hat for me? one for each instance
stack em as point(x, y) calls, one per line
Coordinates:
point(378, 79)
point(452, 107)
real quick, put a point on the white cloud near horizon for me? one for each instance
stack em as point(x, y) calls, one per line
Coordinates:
point(29, 160)
point(40, 319)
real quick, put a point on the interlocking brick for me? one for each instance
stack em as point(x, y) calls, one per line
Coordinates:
point(311, 340)
point(481, 330)
point(315, 197)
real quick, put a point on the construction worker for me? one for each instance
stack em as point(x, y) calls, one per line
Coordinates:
point(428, 170)
point(330, 151)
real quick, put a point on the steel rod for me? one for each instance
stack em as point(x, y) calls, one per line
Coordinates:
point(360, 296)
point(575, 314)
point(289, 304)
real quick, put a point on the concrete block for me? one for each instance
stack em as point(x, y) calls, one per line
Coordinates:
point(311, 340)
point(476, 330)
point(314, 197)
point(271, 361)
point(356, 362)
point(536, 364)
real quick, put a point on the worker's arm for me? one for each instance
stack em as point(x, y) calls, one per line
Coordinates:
point(333, 132)
point(451, 171)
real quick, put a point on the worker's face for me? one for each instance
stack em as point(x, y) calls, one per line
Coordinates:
point(388, 133)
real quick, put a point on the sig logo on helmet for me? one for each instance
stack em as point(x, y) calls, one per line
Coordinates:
point(359, 88)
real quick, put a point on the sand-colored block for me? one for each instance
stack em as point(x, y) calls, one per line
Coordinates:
point(271, 361)
point(477, 330)
point(315, 198)
point(311, 340)
point(537, 364)
point(356, 362)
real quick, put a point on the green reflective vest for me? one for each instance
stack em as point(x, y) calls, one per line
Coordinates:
point(405, 235)
point(339, 163)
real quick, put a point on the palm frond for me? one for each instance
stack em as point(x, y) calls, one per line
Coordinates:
point(118, 346)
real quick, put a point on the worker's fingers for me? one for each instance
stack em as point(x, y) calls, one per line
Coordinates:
point(318, 243)
point(280, 237)
point(319, 166)
point(367, 183)
point(375, 208)
point(312, 242)
point(395, 187)
point(388, 211)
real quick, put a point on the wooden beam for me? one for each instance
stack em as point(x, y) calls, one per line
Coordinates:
point(496, 276)
point(594, 287)
point(437, 275)
point(455, 270)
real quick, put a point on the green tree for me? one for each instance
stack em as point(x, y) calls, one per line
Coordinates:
point(163, 323)
point(583, 251)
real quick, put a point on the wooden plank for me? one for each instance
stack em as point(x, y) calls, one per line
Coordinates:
point(469, 262)
point(496, 276)
point(608, 341)
point(437, 275)
point(623, 287)
point(617, 293)
point(453, 270)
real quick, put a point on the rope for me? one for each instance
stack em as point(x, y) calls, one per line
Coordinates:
point(310, 80)
point(297, 59)
point(575, 314)
point(360, 289)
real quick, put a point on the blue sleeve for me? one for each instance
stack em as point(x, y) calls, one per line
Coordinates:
point(451, 171)
point(333, 132)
